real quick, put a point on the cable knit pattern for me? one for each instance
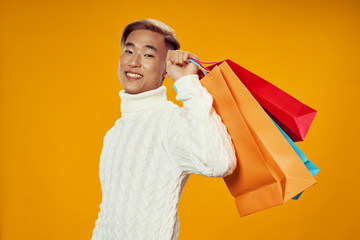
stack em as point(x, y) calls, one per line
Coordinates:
point(147, 157)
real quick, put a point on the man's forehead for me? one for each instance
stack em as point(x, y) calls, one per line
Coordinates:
point(146, 38)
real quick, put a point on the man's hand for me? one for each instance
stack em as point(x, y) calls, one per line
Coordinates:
point(178, 64)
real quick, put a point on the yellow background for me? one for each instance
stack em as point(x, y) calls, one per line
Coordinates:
point(59, 95)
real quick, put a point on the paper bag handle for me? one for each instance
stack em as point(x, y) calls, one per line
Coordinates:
point(198, 63)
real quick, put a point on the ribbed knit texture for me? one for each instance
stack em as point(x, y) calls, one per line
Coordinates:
point(147, 157)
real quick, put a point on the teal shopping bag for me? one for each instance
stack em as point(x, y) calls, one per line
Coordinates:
point(309, 165)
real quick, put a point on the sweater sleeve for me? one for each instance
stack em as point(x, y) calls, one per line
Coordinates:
point(97, 231)
point(198, 140)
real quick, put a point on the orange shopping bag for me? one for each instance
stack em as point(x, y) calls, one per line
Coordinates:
point(269, 172)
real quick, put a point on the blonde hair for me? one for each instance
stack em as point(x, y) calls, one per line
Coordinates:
point(171, 41)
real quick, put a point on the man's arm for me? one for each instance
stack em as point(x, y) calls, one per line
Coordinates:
point(199, 141)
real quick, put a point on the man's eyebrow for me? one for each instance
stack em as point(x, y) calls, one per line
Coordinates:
point(129, 44)
point(151, 47)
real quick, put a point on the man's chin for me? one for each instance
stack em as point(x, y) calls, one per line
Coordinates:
point(131, 91)
point(133, 88)
point(136, 89)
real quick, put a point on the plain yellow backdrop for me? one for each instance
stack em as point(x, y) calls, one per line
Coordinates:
point(59, 95)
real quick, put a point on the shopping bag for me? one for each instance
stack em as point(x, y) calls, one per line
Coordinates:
point(309, 165)
point(268, 171)
point(289, 113)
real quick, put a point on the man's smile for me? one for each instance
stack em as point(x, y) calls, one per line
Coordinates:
point(133, 75)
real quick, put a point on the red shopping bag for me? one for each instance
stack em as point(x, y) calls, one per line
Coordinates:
point(289, 113)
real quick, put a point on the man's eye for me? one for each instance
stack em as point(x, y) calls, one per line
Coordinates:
point(148, 55)
point(128, 51)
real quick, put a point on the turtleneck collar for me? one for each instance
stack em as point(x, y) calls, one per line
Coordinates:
point(131, 103)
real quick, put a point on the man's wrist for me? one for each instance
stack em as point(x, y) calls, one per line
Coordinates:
point(186, 81)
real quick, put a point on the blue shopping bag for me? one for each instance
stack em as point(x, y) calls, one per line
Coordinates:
point(309, 165)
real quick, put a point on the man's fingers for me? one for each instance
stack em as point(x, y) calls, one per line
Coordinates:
point(173, 56)
point(180, 57)
point(185, 57)
point(168, 57)
point(193, 56)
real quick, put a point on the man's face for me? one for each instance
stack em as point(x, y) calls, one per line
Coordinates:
point(142, 64)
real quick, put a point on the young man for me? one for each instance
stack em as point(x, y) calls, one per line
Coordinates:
point(148, 154)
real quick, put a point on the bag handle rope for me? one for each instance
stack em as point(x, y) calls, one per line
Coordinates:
point(198, 63)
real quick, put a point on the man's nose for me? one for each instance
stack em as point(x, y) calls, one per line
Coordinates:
point(135, 61)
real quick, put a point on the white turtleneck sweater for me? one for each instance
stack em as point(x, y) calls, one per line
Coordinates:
point(147, 157)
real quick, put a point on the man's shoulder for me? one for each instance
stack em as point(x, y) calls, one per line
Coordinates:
point(174, 113)
point(173, 108)
point(172, 105)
